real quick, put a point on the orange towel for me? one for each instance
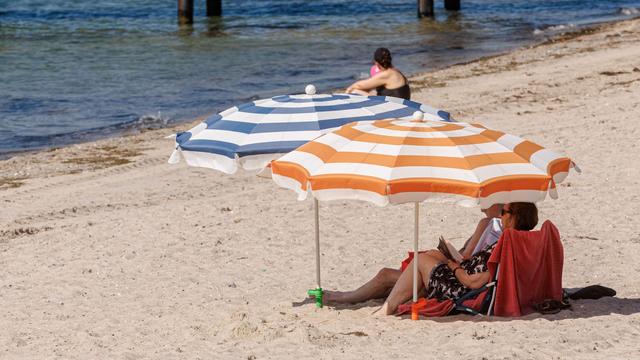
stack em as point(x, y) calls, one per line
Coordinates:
point(530, 269)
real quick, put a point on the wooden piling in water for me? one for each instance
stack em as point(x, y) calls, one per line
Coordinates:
point(214, 7)
point(452, 5)
point(425, 8)
point(185, 11)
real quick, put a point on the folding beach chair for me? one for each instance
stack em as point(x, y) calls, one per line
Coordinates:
point(526, 269)
point(478, 301)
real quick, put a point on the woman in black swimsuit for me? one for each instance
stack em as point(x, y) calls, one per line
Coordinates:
point(388, 82)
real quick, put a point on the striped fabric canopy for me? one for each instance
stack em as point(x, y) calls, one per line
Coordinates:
point(253, 134)
point(398, 161)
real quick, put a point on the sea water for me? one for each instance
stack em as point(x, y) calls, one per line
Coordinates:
point(76, 70)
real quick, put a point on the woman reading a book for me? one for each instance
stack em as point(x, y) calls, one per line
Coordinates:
point(441, 278)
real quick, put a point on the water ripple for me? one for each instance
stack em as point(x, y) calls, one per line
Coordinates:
point(77, 70)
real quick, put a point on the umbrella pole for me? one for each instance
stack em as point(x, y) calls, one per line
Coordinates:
point(317, 292)
point(414, 308)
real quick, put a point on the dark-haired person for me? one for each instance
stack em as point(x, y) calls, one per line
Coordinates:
point(487, 232)
point(447, 279)
point(388, 82)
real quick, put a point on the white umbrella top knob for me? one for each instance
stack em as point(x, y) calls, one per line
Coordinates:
point(418, 116)
point(310, 90)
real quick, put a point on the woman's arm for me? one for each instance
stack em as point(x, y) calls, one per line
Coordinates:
point(473, 241)
point(370, 83)
point(473, 281)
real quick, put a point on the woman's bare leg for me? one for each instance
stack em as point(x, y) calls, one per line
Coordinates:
point(403, 289)
point(376, 288)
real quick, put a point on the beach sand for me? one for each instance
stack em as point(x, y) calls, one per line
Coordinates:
point(109, 252)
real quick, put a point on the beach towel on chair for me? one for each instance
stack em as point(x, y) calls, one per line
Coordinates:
point(530, 269)
point(435, 308)
point(427, 307)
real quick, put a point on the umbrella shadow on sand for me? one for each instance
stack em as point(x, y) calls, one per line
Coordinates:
point(580, 309)
point(583, 309)
point(373, 304)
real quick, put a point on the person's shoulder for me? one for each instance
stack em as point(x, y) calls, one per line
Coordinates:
point(395, 72)
point(385, 73)
point(484, 222)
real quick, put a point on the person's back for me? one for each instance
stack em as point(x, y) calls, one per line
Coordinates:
point(395, 85)
point(490, 235)
point(388, 82)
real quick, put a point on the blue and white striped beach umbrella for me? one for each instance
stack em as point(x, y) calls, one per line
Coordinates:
point(253, 134)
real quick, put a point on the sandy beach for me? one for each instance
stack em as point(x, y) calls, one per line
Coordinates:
point(108, 252)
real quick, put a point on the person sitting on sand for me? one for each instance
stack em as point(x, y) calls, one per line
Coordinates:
point(388, 82)
point(440, 278)
point(486, 233)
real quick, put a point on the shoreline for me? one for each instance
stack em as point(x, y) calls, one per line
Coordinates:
point(109, 252)
point(102, 153)
point(567, 36)
point(105, 157)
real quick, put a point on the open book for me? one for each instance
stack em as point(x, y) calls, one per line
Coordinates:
point(448, 250)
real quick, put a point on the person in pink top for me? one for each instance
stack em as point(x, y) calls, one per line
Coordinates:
point(374, 70)
point(387, 81)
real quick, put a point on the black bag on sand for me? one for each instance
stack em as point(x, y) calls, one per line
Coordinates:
point(592, 292)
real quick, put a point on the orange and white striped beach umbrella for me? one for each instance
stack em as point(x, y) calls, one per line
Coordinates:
point(400, 161)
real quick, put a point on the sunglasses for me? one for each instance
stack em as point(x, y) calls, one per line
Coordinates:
point(503, 211)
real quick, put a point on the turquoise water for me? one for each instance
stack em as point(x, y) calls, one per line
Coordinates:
point(74, 70)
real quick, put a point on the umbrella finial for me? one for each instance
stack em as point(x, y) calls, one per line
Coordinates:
point(418, 116)
point(310, 90)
